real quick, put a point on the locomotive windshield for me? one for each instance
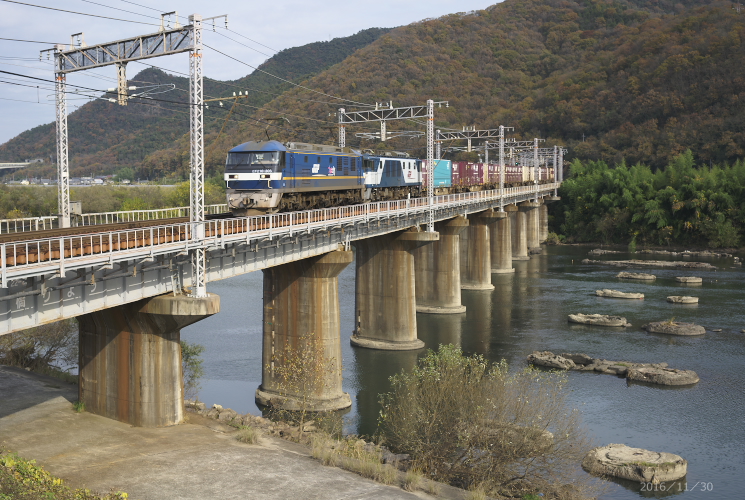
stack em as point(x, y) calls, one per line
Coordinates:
point(255, 162)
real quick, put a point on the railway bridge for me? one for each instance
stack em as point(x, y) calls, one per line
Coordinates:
point(129, 288)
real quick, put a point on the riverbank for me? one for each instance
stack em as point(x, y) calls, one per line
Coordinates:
point(197, 460)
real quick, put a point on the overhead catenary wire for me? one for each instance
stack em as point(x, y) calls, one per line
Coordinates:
point(78, 13)
point(287, 81)
point(28, 41)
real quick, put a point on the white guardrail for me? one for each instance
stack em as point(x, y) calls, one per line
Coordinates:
point(26, 224)
point(39, 257)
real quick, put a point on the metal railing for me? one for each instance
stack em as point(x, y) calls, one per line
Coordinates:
point(26, 224)
point(38, 257)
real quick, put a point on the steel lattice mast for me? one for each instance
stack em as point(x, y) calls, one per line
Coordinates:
point(196, 129)
point(63, 170)
point(431, 164)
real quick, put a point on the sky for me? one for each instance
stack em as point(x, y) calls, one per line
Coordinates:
point(271, 27)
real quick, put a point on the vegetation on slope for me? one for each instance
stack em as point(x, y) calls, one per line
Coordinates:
point(684, 203)
point(611, 79)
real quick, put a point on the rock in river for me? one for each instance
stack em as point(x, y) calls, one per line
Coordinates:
point(662, 376)
point(689, 279)
point(550, 360)
point(598, 319)
point(682, 299)
point(674, 328)
point(615, 294)
point(653, 373)
point(636, 276)
point(635, 464)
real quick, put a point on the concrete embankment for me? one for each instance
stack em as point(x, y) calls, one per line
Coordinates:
point(196, 460)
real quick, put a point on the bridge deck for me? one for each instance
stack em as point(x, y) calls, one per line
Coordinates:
point(49, 279)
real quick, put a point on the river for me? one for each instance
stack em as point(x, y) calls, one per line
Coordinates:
point(527, 311)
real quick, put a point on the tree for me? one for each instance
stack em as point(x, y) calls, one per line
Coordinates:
point(476, 425)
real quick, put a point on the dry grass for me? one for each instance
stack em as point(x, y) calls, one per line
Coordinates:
point(413, 480)
point(247, 435)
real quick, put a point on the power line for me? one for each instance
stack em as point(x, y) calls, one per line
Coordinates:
point(27, 41)
point(241, 43)
point(78, 13)
point(116, 8)
point(286, 81)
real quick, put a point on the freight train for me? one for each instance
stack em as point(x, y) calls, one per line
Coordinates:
point(267, 177)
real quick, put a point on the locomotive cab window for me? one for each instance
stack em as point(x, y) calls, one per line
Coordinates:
point(255, 161)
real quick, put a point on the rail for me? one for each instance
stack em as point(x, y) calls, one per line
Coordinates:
point(51, 255)
point(26, 224)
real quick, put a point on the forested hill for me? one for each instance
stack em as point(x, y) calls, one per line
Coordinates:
point(642, 80)
point(104, 137)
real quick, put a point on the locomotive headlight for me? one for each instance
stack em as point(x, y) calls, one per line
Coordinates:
point(264, 176)
point(232, 177)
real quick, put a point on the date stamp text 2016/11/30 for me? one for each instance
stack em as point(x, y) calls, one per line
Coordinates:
point(698, 486)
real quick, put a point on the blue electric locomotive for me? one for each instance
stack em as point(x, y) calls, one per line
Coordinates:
point(270, 176)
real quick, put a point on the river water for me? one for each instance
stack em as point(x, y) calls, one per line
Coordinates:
point(527, 311)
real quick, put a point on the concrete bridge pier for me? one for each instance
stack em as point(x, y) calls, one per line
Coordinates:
point(475, 252)
point(437, 270)
point(530, 208)
point(385, 297)
point(542, 223)
point(500, 233)
point(518, 236)
point(544, 216)
point(301, 361)
point(130, 358)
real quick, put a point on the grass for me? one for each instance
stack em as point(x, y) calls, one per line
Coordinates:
point(476, 493)
point(352, 454)
point(22, 479)
point(78, 406)
point(247, 435)
point(412, 480)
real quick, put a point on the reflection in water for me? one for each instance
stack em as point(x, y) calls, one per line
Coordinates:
point(440, 329)
point(477, 334)
point(373, 369)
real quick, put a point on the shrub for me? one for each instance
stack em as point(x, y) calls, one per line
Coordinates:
point(475, 425)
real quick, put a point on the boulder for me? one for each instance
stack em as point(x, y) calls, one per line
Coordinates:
point(601, 251)
point(688, 279)
point(615, 294)
point(598, 319)
point(578, 359)
point(674, 328)
point(227, 415)
point(682, 299)
point(550, 360)
point(636, 276)
point(663, 376)
point(635, 464)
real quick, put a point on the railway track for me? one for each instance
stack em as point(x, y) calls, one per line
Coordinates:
point(59, 244)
